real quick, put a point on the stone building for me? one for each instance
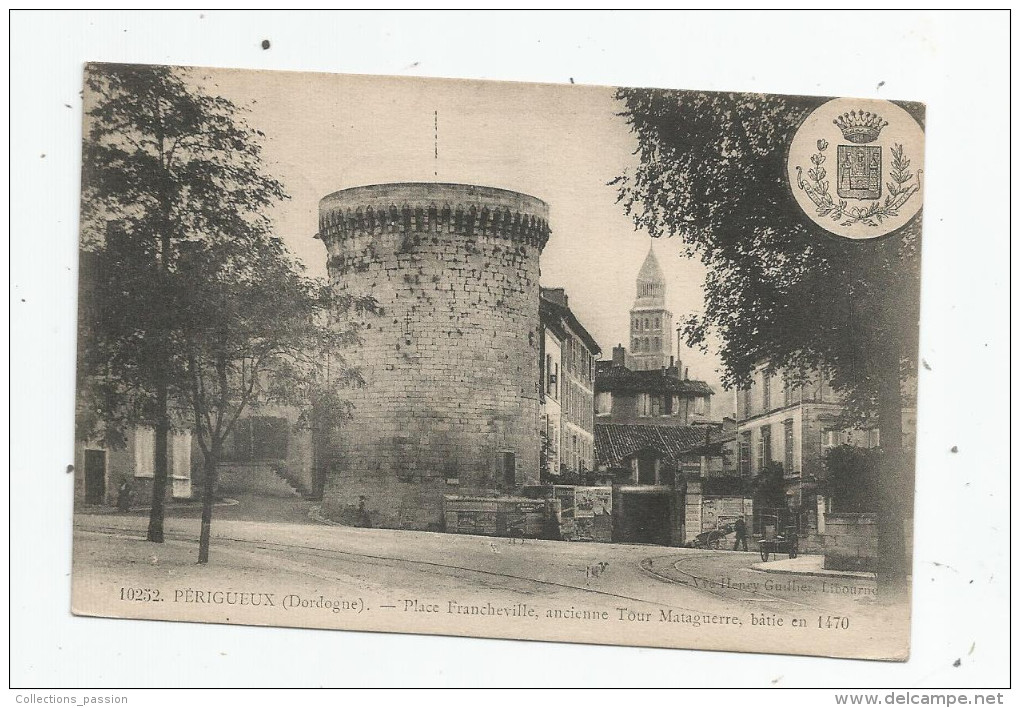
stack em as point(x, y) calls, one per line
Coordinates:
point(648, 397)
point(651, 323)
point(795, 426)
point(568, 387)
point(450, 404)
point(654, 438)
point(104, 461)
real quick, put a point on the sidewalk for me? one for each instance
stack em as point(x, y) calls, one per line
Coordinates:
point(808, 565)
point(169, 508)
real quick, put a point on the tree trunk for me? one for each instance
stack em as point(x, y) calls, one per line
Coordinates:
point(208, 497)
point(159, 477)
point(895, 490)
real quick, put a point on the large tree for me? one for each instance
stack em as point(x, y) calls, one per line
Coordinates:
point(712, 173)
point(164, 164)
point(260, 334)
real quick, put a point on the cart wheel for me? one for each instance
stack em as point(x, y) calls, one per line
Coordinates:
point(793, 550)
point(765, 555)
point(714, 544)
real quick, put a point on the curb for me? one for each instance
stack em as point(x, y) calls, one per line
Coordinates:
point(820, 573)
point(112, 511)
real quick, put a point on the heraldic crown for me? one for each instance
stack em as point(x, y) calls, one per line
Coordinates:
point(860, 127)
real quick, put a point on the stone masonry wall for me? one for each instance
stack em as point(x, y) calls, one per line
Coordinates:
point(451, 361)
point(851, 542)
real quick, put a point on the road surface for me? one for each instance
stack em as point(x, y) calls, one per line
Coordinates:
point(391, 580)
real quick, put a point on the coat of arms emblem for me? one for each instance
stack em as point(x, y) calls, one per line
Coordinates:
point(878, 167)
point(859, 166)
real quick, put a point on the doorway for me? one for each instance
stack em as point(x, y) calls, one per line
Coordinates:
point(645, 518)
point(95, 476)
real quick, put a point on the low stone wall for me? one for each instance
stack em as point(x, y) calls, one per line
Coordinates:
point(499, 516)
point(851, 542)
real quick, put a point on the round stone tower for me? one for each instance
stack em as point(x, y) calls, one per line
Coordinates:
point(450, 403)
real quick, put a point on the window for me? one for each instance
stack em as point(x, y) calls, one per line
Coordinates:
point(825, 390)
point(745, 454)
point(260, 438)
point(549, 377)
point(830, 439)
point(789, 397)
point(668, 404)
point(699, 405)
point(657, 344)
point(656, 403)
point(646, 323)
point(658, 323)
point(508, 468)
point(644, 404)
point(747, 402)
point(873, 439)
point(788, 446)
point(145, 452)
point(603, 403)
point(766, 393)
point(646, 469)
point(556, 380)
point(764, 447)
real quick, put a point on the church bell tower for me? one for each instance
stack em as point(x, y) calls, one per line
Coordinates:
point(651, 324)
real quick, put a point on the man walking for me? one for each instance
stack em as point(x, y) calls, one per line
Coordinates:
point(741, 528)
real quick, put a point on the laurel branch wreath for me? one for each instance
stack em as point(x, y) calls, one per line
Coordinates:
point(898, 191)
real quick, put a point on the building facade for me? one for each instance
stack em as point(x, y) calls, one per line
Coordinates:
point(105, 460)
point(660, 396)
point(795, 425)
point(450, 404)
point(568, 387)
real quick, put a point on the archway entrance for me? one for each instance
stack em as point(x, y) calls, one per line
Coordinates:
point(644, 517)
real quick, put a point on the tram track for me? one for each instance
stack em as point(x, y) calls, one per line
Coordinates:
point(427, 567)
point(711, 585)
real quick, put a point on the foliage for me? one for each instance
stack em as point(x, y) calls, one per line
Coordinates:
point(195, 311)
point(165, 166)
point(769, 488)
point(711, 173)
point(852, 477)
point(260, 335)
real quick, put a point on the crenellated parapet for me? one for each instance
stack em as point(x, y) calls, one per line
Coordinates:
point(450, 364)
point(434, 208)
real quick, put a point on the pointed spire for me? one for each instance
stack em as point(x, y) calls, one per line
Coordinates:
point(651, 271)
point(651, 283)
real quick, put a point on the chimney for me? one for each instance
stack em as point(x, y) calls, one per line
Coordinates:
point(557, 295)
point(619, 356)
point(685, 373)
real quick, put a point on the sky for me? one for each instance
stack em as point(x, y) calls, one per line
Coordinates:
point(562, 144)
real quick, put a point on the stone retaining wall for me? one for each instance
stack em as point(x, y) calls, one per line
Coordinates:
point(851, 542)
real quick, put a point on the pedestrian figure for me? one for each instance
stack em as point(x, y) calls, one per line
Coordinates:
point(741, 528)
point(124, 493)
point(364, 520)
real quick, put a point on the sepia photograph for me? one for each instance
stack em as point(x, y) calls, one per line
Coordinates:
point(501, 360)
point(509, 349)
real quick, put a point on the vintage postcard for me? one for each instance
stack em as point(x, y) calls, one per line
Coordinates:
point(548, 362)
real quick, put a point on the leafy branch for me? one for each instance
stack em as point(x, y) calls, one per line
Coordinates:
point(899, 191)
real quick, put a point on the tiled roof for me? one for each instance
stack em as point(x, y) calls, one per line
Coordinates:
point(622, 379)
point(615, 442)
